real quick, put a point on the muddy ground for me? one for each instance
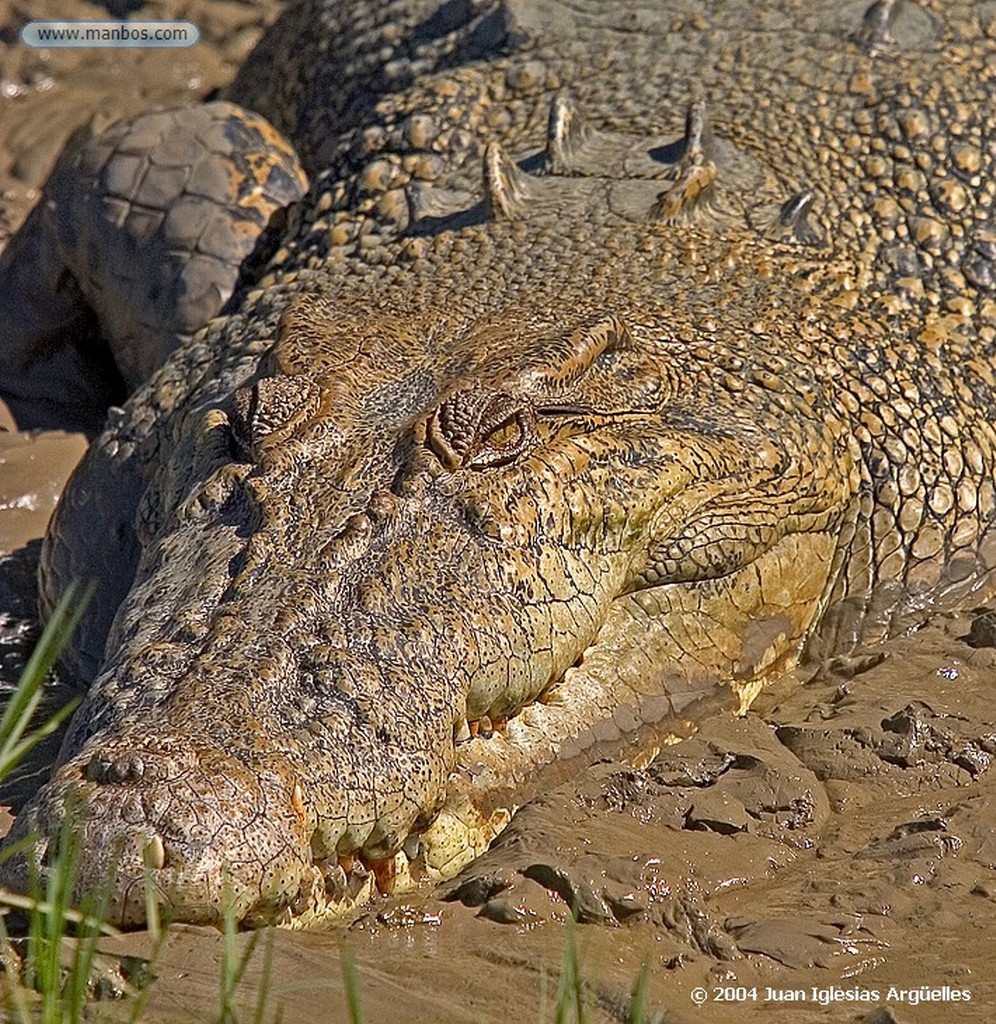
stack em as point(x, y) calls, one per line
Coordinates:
point(830, 857)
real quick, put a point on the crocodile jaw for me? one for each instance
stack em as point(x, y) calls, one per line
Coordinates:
point(202, 831)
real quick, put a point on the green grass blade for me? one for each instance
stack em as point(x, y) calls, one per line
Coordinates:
point(263, 992)
point(351, 985)
point(638, 998)
point(30, 904)
point(24, 701)
point(47, 930)
point(14, 999)
point(152, 922)
point(76, 988)
point(570, 991)
point(49, 913)
point(233, 966)
point(11, 753)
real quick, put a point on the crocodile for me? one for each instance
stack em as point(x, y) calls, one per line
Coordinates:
point(620, 358)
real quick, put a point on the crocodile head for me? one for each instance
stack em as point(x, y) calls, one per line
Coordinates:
point(390, 591)
point(434, 542)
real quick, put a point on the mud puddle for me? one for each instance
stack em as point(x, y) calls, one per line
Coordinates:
point(794, 865)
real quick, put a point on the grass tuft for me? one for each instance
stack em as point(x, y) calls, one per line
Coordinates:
point(62, 992)
point(570, 991)
point(638, 998)
point(15, 740)
point(233, 964)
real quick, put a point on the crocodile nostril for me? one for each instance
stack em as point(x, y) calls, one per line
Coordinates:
point(96, 769)
point(155, 853)
point(100, 768)
point(127, 769)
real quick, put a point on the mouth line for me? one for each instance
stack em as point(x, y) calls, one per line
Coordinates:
point(331, 889)
point(476, 811)
point(499, 762)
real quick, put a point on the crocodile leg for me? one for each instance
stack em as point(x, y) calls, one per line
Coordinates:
point(143, 231)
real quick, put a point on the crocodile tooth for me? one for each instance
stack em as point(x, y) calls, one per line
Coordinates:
point(297, 799)
point(566, 134)
point(461, 732)
point(155, 853)
point(506, 187)
point(412, 846)
point(385, 873)
point(334, 878)
point(336, 882)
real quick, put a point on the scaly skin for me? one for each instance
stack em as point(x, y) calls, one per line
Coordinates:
point(142, 231)
point(705, 382)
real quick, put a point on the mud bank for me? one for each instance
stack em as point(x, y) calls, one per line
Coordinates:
point(830, 857)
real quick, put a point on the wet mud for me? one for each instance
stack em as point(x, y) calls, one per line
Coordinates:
point(829, 857)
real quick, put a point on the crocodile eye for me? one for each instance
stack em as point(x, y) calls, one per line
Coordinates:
point(269, 408)
point(508, 435)
point(503, 440)
point(476, 429)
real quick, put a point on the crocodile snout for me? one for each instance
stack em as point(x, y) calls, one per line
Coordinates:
point(195, 830)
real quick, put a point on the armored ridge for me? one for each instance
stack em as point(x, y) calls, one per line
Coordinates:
point(492, 466)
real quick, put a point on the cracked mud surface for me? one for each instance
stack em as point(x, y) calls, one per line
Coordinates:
point(841, 835)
